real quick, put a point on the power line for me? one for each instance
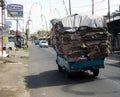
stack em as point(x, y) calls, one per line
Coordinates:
point(101, 2)
point(89, 5)
point(107, 8)
point(96, 5)
point(104, 8)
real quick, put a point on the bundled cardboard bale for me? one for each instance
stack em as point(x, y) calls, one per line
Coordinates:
point(78, 40)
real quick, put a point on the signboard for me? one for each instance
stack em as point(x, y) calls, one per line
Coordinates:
point(15, 10)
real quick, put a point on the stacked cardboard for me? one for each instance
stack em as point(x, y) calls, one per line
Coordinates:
point(80, 43)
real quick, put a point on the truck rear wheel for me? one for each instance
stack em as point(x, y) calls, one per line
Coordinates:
point(67, 74)
point(60, 68)
point(95, 72)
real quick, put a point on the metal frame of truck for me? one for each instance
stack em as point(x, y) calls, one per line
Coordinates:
point(70, 67)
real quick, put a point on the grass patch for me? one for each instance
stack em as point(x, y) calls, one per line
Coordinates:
point(25, 57)
point(26, 49)
point(16, 49)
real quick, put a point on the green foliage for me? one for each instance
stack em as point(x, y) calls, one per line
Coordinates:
point(25, 57)
point(26, 49)
point(16, 49)
point(40, 32)
point(33, 36)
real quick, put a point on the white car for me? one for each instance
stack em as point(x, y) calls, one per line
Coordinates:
point(43, 43)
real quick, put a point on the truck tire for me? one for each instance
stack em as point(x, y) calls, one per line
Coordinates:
point(95, 72)
point(67, 74)
point(60, 68)
point(56, 62)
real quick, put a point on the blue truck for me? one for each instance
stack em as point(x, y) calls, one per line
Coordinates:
point(81, 43)
point(71, 67)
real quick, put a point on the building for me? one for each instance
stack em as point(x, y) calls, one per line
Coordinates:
point(114, 29)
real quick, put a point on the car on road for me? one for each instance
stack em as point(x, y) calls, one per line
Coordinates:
point(43, 43)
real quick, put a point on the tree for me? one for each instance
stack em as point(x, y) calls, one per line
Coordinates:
point(39, 32)
point(33, 36)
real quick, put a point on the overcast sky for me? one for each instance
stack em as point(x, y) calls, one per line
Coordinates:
point(42, 11)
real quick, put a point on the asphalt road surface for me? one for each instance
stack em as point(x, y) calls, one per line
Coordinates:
point(44, 80)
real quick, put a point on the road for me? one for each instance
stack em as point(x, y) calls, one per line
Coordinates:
point(44, 80)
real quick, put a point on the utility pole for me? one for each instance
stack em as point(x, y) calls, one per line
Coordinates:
point(109, 27)
point(2, 29)
point(109, 10)
point(17, 30)
point(70, 6)
point(2, 4)
point(92, 7)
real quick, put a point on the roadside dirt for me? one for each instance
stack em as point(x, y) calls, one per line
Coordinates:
point(12, 73)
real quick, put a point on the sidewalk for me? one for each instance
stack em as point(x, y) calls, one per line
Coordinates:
point(12, 73)
point(113, 59)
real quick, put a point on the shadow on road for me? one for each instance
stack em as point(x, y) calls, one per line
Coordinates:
point(54, 78)
point(116, 65)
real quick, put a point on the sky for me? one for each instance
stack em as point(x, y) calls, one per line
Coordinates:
point(42, 11)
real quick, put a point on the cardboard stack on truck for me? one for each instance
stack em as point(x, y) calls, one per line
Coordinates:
point(80, 37)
